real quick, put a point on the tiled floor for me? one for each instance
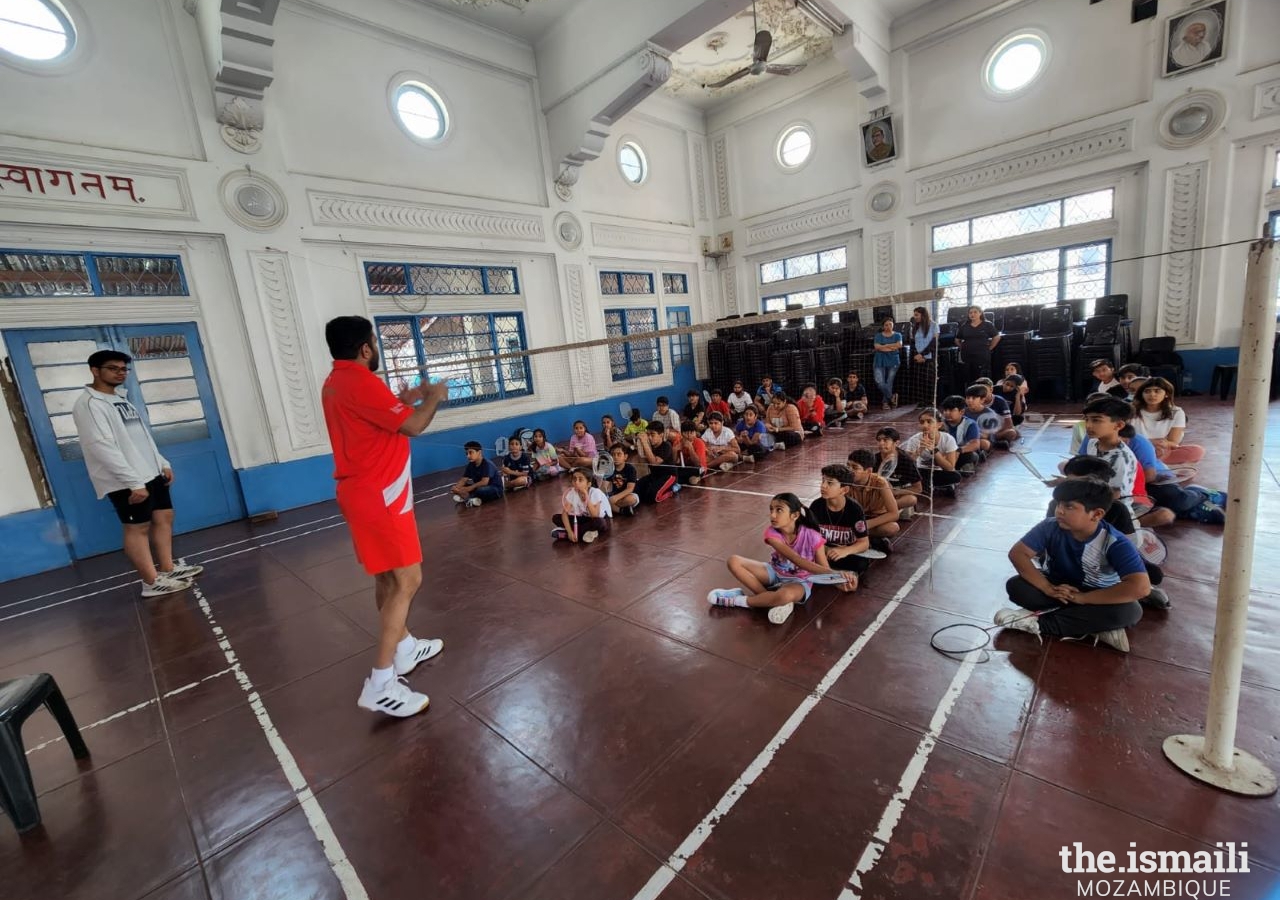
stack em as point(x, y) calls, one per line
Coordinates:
point(590, 711)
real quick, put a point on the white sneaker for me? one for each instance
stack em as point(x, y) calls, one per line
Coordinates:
point(396, 699)
point(183, 571)
point(458, 498)
point(906, 514)
point(780, 614)
point(1018, 619)
point(164, 585)
point(423, 650)
point(695, 480)
point(725, 467)
point(589, 536)
point(1116, 638)
point(474, 501)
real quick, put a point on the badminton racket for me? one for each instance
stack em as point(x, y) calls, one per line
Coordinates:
point(1178, 474)
point(872, 553)
point(962, 638)
point(706, 395)
point(603, 466)
point(624, 409)
point(1150, 546)
point(989, 423)
point(825, 578)
point(500, 445)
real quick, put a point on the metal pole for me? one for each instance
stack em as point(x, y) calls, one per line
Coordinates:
point(1213, 758)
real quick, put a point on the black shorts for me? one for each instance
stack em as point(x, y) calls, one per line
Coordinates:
point(140, 513)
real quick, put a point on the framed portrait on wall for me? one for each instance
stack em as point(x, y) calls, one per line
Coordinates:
point(1195, 37)
point(879, 141)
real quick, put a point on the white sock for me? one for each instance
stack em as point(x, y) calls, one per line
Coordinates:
point(407, 644)
point(382, 677)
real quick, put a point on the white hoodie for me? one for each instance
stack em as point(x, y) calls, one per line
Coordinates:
point(118, 450)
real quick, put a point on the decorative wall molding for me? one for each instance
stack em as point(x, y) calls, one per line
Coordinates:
point(700, 178)
point(1266, 99)
point(882, 200)
point(240, 38)
point(578, 322)
point(253, 200)
point(272, 277)
point(882, 264)
point(1180, 271)
point(729, 290)
point(1043, 158)
point(720, 159)
point(800, 223)
point(1191, 118)
point(568, 230)
point(623, 237)
point(368, 212)
point(77, 184)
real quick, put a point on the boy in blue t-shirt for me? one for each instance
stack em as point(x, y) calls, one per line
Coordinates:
point(480, 480)
point(1079, 572)
point(750, 433)
point(517, 466)
point(965, 431)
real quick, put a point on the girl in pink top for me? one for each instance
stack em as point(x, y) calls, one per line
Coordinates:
point(582, 447)
point(782, 582)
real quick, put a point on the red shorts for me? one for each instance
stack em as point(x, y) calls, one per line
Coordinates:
point(385, 538)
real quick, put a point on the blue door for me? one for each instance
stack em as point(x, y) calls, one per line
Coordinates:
point(683, 375)
point(168, 383)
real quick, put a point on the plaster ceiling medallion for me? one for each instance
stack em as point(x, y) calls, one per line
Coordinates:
point(568, 231)
point(252, 200)
point(1191, 118)
point(728, 47)
point(882, 200)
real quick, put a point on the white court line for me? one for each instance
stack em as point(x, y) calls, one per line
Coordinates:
point(667, 872)
point(910, 779)
point(256, 537)
point(704, 487)
point(1043, 425)
point(316, 818)
point(125, 584)
point(133, 709)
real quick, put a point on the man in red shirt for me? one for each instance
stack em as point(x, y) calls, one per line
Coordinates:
point(369, 428)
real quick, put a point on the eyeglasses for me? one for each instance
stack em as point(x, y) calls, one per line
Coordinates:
point(114, 368)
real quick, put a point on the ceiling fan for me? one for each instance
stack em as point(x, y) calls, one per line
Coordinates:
point(759, 58)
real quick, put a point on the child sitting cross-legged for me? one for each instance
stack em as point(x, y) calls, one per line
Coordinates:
point(1082, 576)
point(842, 522)
point(717, 405)
point(480, 480)
point(899, 469)
point(798, 553)
point(634, 429)
point(968, 436)
point(610, 434)
point(546, 459)
point(692, 455)
point(1164, 423)
point(751, 436)
point(517, 467)
point(812, 409)
point(621, 487)
point(935, 453)
point(582, 448)
point(722, 448)
point(586, 511)
point(875, 496)
point(657, 453)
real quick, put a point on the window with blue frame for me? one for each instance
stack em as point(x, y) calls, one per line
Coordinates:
point(435, 280)
point(675, 283)
point(41, 273)
point(633, 359)
point(626, 283)
point(1065, 212)
point(1038, 278)
point(681, 344)
point(836, 293)
point(460, 350)
point(803, 265)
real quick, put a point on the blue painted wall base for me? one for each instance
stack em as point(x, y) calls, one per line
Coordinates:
point(34, 542)
point(1199, 365)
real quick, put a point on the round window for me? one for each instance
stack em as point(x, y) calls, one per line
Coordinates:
point(35, 30)
point(421, 112)
point(795, 146)
point(632, 162)
point(1014, 63)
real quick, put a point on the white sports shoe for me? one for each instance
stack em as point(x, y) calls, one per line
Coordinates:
point(1116, 638)
point(395, 699)
point(726, 466)
point(780, 614)
point(589, 536)
point(164, 584)
point(458, 498)
point(474, 501)
point(423, 650)
point(183, 571)
point(1018, 619)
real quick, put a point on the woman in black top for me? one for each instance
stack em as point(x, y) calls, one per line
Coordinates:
point(977, 338)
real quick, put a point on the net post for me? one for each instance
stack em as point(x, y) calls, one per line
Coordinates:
point(1212, 758)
